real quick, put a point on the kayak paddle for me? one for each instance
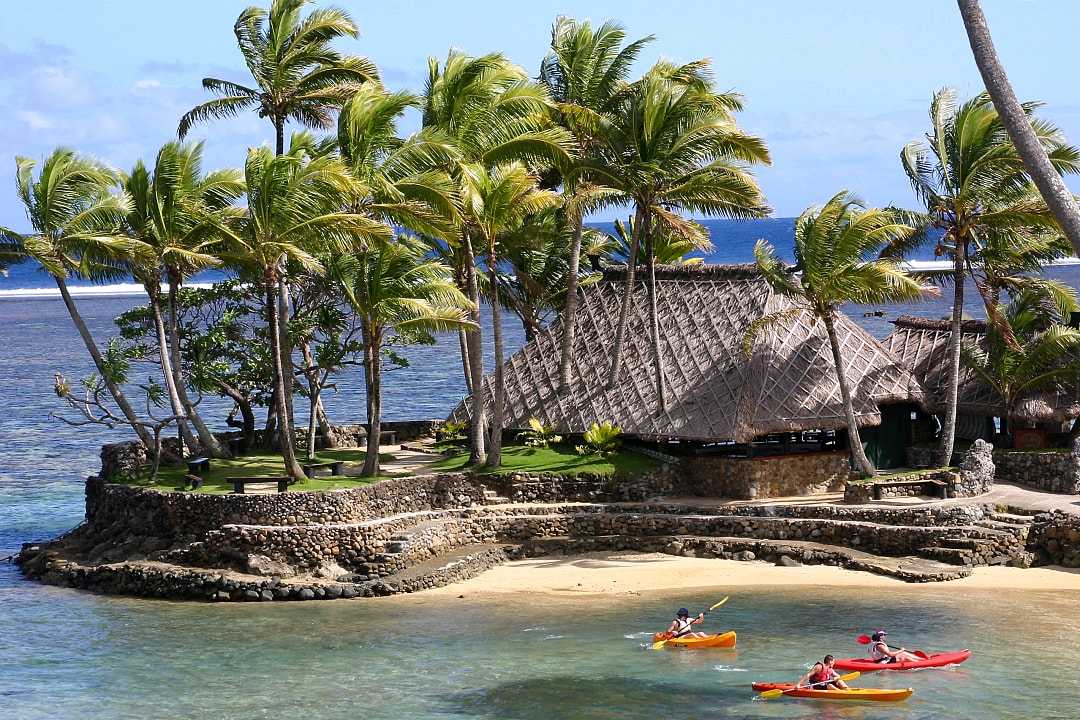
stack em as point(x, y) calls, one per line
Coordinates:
point(661, 643)
point(866, 640)
point(769, 694)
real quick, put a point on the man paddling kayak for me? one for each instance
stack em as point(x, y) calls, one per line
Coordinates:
point(680, 626)
point(822, 676)
point(880, 652)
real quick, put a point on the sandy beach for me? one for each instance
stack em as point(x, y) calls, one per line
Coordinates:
point(635, 573)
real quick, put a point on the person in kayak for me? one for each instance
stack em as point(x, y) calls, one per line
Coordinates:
point(880, 652)
point(822, 676)
point(681, 625)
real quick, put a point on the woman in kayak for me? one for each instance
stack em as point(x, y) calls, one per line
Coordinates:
point(822, 676)
point(680, 626)
point(882, 653)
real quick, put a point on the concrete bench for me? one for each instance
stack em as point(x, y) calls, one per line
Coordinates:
point(936, 488)
point(238, 483)
point(337, 467)
point(198, 466)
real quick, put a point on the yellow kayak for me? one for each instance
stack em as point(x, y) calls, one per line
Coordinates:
point(878, 694)
point(723, 640)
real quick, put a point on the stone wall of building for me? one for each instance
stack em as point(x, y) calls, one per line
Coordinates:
point(1056, 471)
point(766, 476)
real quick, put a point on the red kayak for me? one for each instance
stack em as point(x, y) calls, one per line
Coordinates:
point(931, 661)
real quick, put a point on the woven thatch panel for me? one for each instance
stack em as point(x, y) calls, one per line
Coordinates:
point(923, 345)
point(715, 392)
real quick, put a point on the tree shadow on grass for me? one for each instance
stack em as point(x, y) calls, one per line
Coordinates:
point(571, 696)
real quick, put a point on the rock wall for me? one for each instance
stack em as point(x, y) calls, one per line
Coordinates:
point(1055, 539)
point(588, 487)
point(1047, 470)
point(766, 476)
point(977, 471)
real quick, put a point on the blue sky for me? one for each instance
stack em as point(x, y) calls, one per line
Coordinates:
point(835, 88)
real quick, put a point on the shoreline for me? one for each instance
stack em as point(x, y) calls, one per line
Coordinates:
point(636, 573)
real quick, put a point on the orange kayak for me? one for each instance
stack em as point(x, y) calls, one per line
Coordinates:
point(876, 694)
point(723, 640)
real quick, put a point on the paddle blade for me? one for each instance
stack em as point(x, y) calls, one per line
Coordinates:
point(770, 694)
point(863, 640)
point(726, 598)
point(659, 644)
point(920, 654)
point(850, 676)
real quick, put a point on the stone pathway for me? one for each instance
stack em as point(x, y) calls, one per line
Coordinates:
point(405, 461)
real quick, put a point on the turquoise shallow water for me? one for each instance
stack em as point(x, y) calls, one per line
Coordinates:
point(65, 654)
point(521, 658)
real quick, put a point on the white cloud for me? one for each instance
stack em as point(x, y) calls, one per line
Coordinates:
point(35, 120)
point(147, 84)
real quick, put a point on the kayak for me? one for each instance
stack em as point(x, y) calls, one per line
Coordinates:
point(723, 640)
point(877, 694)
point(931, 661)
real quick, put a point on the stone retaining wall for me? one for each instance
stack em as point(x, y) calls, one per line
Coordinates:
point(1047, 470)
point(766, 476)
point(1055, 538)
point(665, 479)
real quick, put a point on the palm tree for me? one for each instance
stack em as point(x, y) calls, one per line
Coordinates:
point(833, 247)
point(585, 74)
point(298, 75)
point(1043, 361)
point(11, 252)
point(174, 218)
point(294, 209)
point(76, 221)
point(394, 287)
point(675, 145)
point(493, 114)
point(499, 201)
point(668, 248)
point(1014, 116)
point(976, 191)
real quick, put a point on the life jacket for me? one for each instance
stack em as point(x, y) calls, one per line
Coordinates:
point(877, 652)
point(682, 626)
point(825, 674)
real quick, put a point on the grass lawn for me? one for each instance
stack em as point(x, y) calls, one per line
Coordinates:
point(562, 459)
point(266, 463)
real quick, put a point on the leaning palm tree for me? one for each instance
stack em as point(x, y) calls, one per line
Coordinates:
point(294, 209)
point(977, 194)
point(675, 145)
point(487, 107)
point(498, 202)
point(298, 75)
point(76, 220)
point(585, 72)
point(1014, 116)
point(1045, 359)
point(394, 288)
point(175, 217)
point(11, 252)
point(834, 247)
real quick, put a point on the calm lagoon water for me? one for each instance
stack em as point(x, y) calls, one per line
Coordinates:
point(65, 654)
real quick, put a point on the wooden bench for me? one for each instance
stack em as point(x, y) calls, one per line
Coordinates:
point(238, 483)
point(198, 466)
point(938, 487)
point(337, 467)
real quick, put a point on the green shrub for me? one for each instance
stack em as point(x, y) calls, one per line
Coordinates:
point(452, 431)
point(539, 434)
point(602, 440)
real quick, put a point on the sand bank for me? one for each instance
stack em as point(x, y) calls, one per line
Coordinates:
point(629, 572)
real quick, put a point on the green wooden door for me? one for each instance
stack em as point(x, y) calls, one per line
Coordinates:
point(885, 444)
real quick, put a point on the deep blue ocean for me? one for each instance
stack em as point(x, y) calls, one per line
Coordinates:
point(66, 654)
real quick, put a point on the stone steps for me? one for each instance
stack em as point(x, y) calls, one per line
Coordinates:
point(491, 497)
point(950, 555)
point(1011, 518)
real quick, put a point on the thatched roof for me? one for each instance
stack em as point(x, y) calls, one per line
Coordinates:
point(715, 392)
point(922, 345)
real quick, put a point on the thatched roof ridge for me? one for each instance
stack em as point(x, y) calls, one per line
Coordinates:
point(715, 391)
point(922, 345)
point(914, 322)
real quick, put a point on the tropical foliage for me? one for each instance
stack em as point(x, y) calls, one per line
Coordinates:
point(539, 435)
point(601, 439)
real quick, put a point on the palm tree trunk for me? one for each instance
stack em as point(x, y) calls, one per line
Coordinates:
point(373, 381)
point(313, 403)
point(952, 391)
point(325, 427)
point(466, 363)
point(316, 399)
point(288, 450)
point(477, 452)
point(99, 363)
point(1016, 122)
point(270, 427)
point(211, 445)
point(286, 351)
point(167, 370)
point(654, 320)
point(570, 308)
point(494, 458)
point(865, 466)
point(624, 306)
